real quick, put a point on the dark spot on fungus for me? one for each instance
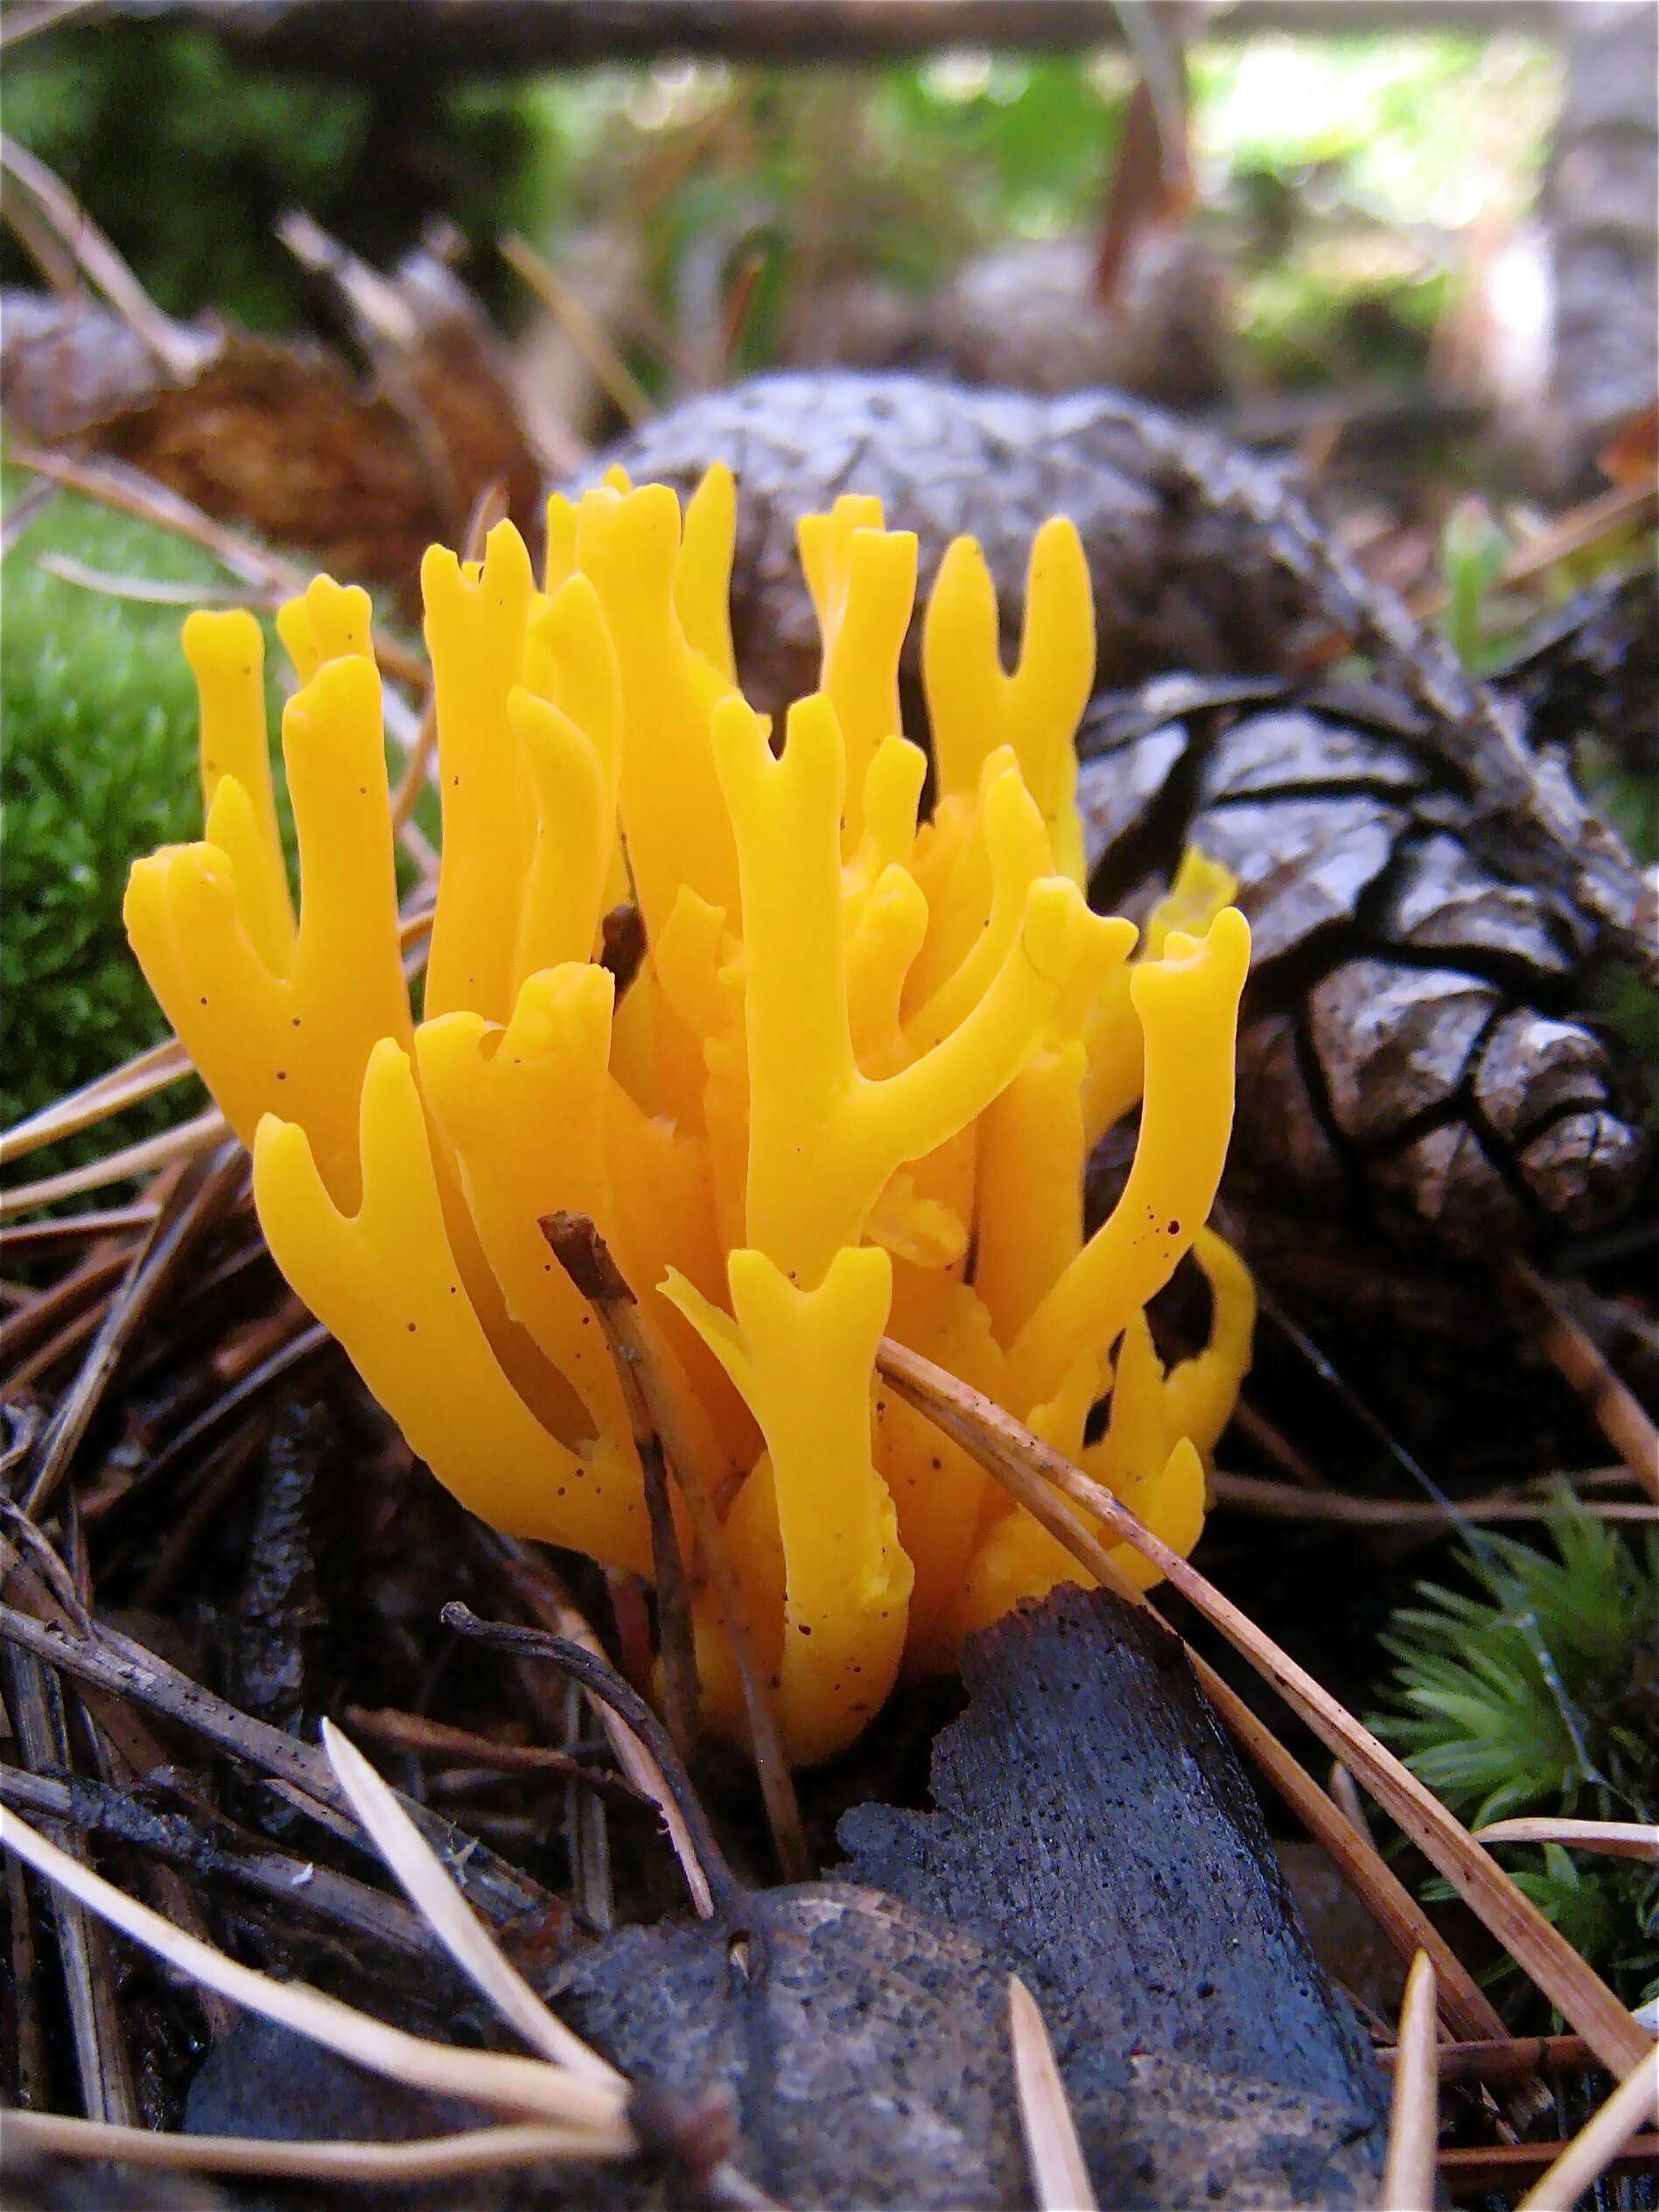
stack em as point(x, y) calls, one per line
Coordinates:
point(1175, 1228)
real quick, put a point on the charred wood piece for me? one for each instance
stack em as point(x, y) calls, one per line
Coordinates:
point(1093, 1826)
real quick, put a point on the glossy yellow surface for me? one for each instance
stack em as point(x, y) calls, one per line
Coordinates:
point(852, 1089)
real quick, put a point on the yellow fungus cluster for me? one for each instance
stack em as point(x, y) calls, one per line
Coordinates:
point(850, 1090)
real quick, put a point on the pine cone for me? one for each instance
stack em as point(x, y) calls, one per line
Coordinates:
point(1410, 1039)
point(1179, 583)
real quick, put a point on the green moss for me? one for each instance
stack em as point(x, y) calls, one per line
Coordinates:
point(1537, 1690)
point(99, 731)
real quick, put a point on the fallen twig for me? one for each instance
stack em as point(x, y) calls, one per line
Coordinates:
point(595, 1674)
point(583, 1253)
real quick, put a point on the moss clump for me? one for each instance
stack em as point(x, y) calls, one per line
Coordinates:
point(1538, 1691)
point(99, 765)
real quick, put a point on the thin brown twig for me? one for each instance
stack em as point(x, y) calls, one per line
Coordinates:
point(1505, 2058)
point(305, 1344)
point(113, 1663)
point(598, 1678)
point(1614, 1408)
point(417, 765)
point(197, 1205)
point(34, 1701)
point(575, 1242)
point(180, 350)
point(535, 1584)
point(18, 1238)
point(23, 512)
point(221, 1478)
point(183, 1143)
point(583, 1253)
point(1622, 506)
point(740, 303)
point(72, 1291)
point(417, 1732)
point(1275, 1446)
point(349, 1907)
point(578, 323)
point(1506, 2166)
point(120, 1743)
point(130, 492)
point(1465, 2006)
point(140, 1077)
point(1284, 1502)
point(147, 590)
point(31, 2065)
point(69, 1338)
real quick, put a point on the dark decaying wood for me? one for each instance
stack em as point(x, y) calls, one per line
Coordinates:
point(844, 2042)
point(1093, 1824)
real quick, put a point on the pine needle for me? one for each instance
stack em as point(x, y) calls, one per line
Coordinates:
point(1058, 2177)
point(1408, 2178)
point(447, 1914)
point(505, 2083)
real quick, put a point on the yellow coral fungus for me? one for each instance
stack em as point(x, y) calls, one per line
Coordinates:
point(851, 1089)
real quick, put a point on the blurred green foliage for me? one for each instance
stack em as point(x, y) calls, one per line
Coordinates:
point(186, 157)
point(1338, 174)
point(1536, 1690)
